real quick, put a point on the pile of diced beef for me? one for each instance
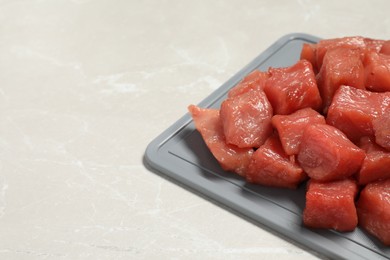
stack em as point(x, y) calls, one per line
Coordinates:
point(324, 122)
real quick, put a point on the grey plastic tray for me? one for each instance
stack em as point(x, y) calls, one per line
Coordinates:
point(180, 154)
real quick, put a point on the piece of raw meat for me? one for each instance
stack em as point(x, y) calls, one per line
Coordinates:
point(270, 166)
point(373, 208)
point(376, 164)
point(326, 154)
point(377, 71)
point(353, 110)
point(292, 88)
point(341, 66)
point(209, 125)
point(323, 46)
point(331, 205)
point(381, 126)
point(291, 127)
point(320, 49)
point(308, 53)
point(246, 119)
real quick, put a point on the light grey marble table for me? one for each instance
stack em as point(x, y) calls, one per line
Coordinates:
point(85, 85)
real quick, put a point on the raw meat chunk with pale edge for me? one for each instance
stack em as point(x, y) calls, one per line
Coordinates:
point(326, 154)
point(353, 110)
point(270, 166)
point(291, 127)
point(308, 53)
point(230, 157)
point(377, 71)
point(246, 119)
point(315, 53)
point(341, 66)
point(331, 205)
point(292, 88)
point(323, 46)
point(373, 208)
point(376, 164)
point(381, 126)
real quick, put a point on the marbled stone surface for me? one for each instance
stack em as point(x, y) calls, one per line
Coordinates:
point(85, 85)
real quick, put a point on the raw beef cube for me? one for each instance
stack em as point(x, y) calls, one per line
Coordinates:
point(326, 154)
point(308, 53)
point(352, 42)
point(292, 88)
point(381, 126)
point(253, 81)
point(270, 166)
point(377, 71)
point(323, 46)
point(376, 165)
point(331, 205)
point(373, 208)
point(341, 66)
point(230, 157)
point(291, 127)
point(353, 110)
point(246, 119)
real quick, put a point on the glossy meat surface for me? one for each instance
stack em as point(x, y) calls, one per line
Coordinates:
point(292, 88)
point(320, 49)
point(341, 66)
point(377, 71)
point(246, 119)
point(353, 110)
point(270, 166)
point(331, 205)
point(308, 53)
point(381, 126)
point(326, 154)
point(323, 46)
point(376, 164)
point(291, 127)
point(373, 208)
point(230, 157)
